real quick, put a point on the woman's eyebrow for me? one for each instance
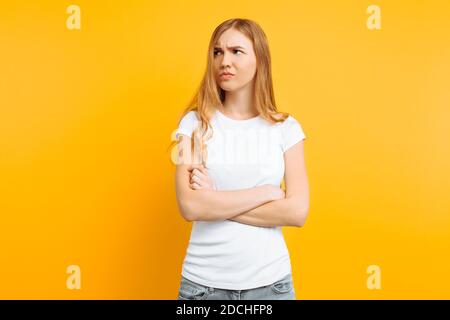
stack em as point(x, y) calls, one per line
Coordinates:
point(233, 47)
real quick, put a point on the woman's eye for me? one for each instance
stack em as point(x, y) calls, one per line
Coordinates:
point(235, 51)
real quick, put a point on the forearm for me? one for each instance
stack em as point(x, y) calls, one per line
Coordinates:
point(282, 212)
point(212, 205)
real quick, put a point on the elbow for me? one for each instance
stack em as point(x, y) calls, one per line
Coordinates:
point(189, 217)
point(300, 216)
point(299, 209)
point(193, 208)
point(187, 211)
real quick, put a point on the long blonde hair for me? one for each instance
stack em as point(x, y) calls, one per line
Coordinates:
point(209, 94)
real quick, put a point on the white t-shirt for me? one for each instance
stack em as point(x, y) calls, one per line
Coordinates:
point(241, 154)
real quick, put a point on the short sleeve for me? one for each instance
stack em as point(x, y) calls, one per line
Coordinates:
point(187, 124)
point(291, 133)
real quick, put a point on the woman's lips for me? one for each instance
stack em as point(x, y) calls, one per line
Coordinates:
point(226, 76)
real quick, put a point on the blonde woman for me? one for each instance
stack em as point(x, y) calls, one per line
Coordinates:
point(235, 147)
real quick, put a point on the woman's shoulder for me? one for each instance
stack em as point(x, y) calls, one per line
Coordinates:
point(191, 115)
point(288, 120)
point(190, 118)
point(291, 132)
point(188, 123)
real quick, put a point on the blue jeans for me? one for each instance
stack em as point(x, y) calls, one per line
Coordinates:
point(280, 290)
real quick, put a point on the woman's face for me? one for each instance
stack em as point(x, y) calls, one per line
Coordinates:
point(233, 53)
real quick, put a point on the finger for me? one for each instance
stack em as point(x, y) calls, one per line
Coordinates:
point(196, 186)
point(191, 174)
point(196, 179)
point(202, 183)
point(200, 174)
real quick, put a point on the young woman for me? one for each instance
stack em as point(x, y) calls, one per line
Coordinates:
point(236, 147)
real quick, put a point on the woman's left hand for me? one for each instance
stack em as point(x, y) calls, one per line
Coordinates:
point(200, 179)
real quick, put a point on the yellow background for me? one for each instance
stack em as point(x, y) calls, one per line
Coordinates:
point(86, 117)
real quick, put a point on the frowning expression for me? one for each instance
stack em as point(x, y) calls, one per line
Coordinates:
point(234, 60)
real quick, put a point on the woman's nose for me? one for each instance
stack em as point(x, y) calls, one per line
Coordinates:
point(226, 60)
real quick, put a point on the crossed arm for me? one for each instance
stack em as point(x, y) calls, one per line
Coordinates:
point(263, 206)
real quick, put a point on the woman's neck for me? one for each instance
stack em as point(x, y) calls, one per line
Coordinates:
point(239, 104)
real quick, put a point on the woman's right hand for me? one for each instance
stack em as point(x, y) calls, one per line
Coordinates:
point(274, 192)
point(199, 178)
